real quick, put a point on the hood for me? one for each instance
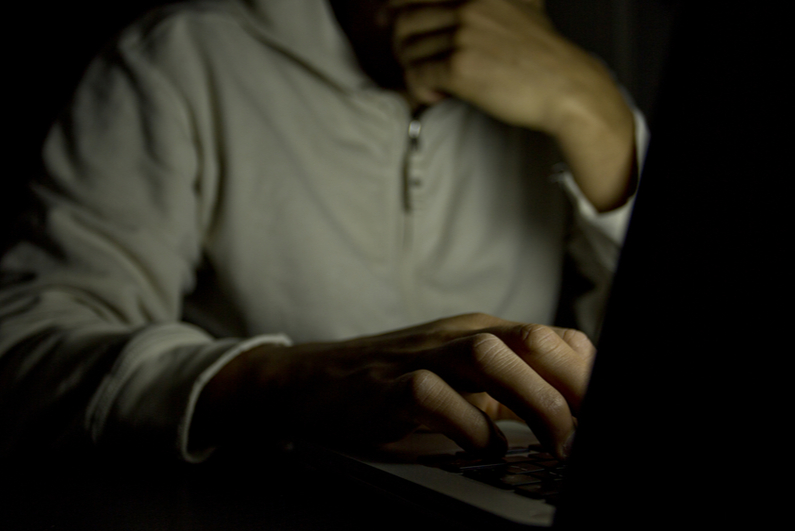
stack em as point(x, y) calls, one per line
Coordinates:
point(307, 31)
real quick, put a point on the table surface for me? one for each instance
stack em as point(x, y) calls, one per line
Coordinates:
point(223, 494)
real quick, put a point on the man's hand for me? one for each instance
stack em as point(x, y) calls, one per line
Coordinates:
point(505, 57)
point(378, 389)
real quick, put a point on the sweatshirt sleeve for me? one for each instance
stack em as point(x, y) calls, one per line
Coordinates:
point(595, 240)
point(92, 350)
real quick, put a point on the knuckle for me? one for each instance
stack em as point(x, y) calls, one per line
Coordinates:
point(472, 11)
point(422, 387)
point(489, 352)
point(485, 347)
point(478, 317)
point(472, 321)
point(552, 403)
point(538, 337)
point(578, 340)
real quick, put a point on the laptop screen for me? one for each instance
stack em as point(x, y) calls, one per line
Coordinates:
point(678, 383)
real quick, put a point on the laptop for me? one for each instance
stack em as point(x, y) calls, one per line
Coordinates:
point(675, 427)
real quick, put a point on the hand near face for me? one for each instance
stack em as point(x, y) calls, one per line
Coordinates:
point(501, 55)
point(505, 57)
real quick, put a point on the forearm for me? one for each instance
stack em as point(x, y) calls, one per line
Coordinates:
point(74, 379)
point(222, 412)
point(601, 152)
point(507, 59)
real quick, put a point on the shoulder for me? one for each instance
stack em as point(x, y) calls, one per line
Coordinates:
point(179, 28)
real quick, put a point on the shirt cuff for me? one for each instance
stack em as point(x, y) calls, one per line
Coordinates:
point(192, 455)
point(613, 223)
point(145, 403)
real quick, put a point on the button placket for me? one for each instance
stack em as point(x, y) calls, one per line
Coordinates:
point(413, 181)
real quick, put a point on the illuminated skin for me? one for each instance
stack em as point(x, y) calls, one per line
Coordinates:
point(451, 375)
point(380, 388)
point(505, 57)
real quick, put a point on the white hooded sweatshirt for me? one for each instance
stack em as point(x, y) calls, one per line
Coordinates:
point(228, 165)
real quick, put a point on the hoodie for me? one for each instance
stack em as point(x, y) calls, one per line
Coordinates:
point(227, 176)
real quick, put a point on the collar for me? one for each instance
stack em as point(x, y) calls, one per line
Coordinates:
point(308, 31)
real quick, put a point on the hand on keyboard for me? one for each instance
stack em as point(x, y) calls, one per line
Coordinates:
point(378, 389)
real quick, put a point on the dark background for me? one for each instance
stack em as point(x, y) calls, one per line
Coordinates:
point(734, 419)
point(53, 41)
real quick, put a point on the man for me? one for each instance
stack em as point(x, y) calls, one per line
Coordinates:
point(233, 165)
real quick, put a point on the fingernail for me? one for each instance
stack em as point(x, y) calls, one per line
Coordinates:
point(565, 450)
point(499, 444)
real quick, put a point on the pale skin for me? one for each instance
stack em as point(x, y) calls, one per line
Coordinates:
point(455, 375)
point(505, 57)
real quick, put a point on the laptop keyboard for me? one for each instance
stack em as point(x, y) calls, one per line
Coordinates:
point(528, 471)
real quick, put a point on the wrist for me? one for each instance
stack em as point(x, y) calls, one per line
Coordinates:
point(225, 401)
point(598, 143)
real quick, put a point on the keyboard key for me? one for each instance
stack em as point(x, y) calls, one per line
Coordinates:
point(549, 463)
point(503, 481)
point(523, 468)
point(541, 490)
point(459, 463)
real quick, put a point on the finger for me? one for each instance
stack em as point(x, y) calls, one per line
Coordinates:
point(428, 81)
point(427, 47)
point(578, 341)
point(562, 356)
point(469, 322)
point(491, 407)
point(466, 324)
point(551, 356)
point(433, 403)
point(483, 362)
point(473, 11)
point(466, 72)
point(526, 391)
point(400, 4)
point(410, 23)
